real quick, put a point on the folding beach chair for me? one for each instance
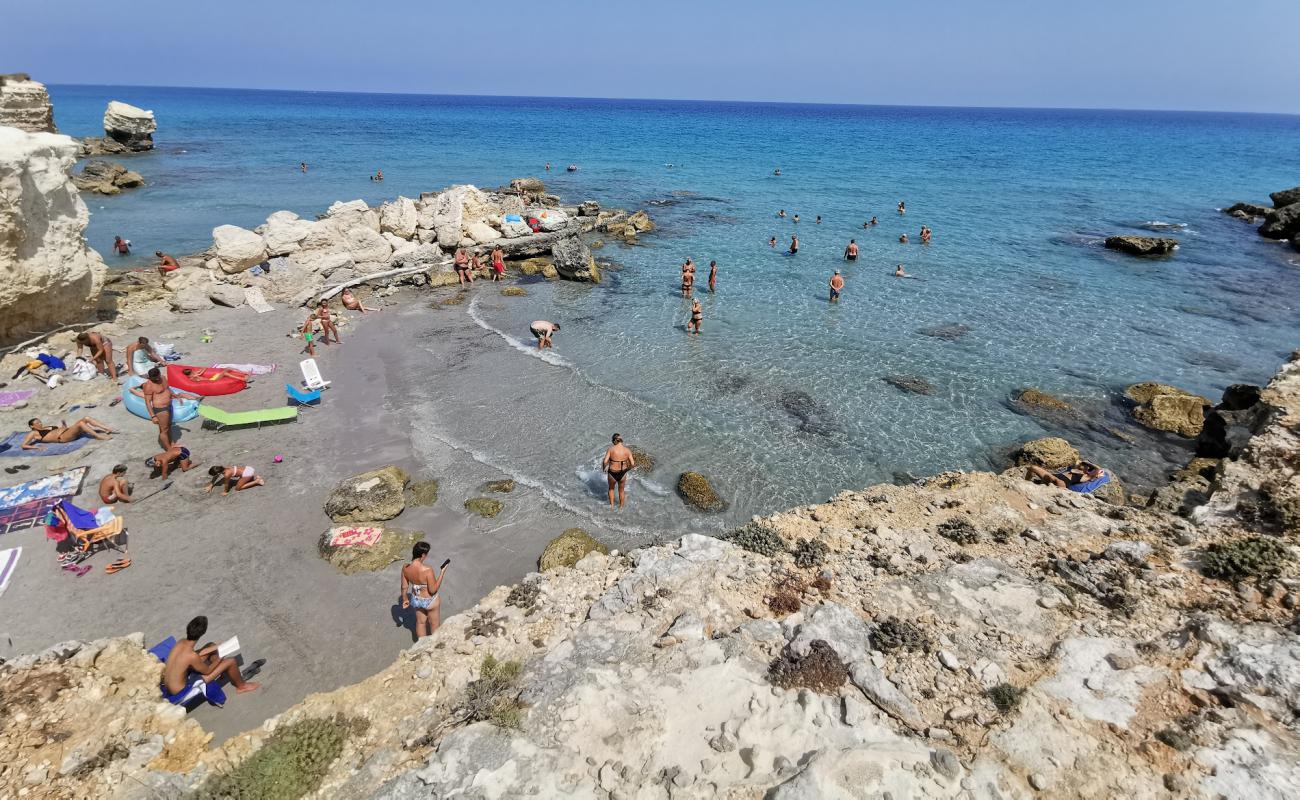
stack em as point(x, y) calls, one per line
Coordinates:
point(304, 399)
point(311, 374)
point(87, 531)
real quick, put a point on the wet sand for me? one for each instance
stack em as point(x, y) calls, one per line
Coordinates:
point(249, 561)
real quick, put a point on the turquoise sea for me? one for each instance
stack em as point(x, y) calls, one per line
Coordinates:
point(781, 400)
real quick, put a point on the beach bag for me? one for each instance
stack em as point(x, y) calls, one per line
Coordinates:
point(83, 370)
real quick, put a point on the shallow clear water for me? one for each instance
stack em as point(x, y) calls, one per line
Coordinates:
point(781, 399)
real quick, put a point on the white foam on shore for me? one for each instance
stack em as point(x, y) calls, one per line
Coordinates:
point(548, 356)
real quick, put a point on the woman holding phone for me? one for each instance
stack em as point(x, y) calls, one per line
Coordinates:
point(420, 589)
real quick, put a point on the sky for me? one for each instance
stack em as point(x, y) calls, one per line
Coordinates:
point(1211, 55)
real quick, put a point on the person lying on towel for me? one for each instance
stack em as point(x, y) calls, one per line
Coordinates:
point(189, 669)
point(1083, 476)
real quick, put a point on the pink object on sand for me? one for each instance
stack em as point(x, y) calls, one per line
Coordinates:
point(278, 459)
point(354, 537)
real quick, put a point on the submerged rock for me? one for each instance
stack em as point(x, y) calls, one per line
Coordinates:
point(910, 383)
point(370, 496)
point(504, 485)
point(422, 493)
point(697, 492)
point(1142, 245)
point(812, 415)
point(1168, 408)
point(1281, 223)
point(645, 463)
point(568, 549)
point(951, 331)
point(1037, 402)
point(1051, 452)
point(484, 506)
point(1246, 211)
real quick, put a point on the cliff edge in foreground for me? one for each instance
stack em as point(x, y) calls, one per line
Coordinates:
point(972, 635)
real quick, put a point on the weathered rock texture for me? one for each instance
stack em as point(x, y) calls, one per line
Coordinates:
point(371, 496)
point(1168, 408)
point(1142, 245)
point(131, 127)
point(24, 104)
point(49, 276)
point(105, 177)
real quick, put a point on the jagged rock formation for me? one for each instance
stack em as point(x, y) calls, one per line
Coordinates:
point(49, 276)
point(105, 177)
point(972, 635)
point(1167, 408)
point(127, 129)
point(1142, 245)
point(25, 104)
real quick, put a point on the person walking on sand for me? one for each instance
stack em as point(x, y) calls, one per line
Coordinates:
point(837, 286)
point(141, 357)
point(618, 462)
point(101, 352)
point(498, 263)
point(113, 488)
point(794, 245)
point(713, 276)
point(158, 402)
point(326, 318)
point(420, 589)
point(697, 316)
point(236, 477)
point(189, 667)
point(543, 331)
point(166, 263)
point(851, 252)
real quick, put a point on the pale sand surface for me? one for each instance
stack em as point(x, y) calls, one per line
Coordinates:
point(249, 561)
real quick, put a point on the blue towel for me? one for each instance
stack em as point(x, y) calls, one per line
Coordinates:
point(80, 518)
point(1091, 486)
point(53, 362)
point(163, 648)
point(13, 446)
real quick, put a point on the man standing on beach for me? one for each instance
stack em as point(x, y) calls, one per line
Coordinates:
point(837, 286)
point(158, 402)
point(420, 589)
point(461, 262)
point(543, 331)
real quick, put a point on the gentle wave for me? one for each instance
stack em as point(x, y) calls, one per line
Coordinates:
point(528, 349)
point(1157, 225)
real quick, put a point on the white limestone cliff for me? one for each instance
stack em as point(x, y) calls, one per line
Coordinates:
point(25, 104)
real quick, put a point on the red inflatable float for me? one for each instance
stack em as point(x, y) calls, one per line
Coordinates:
point(206, 381)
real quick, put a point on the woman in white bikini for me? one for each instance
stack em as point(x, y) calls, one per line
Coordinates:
point(420, 589)
point(241, 477)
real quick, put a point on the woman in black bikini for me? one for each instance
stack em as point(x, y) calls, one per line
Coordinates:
point(61, 434)
point(697, 316)
point(617, 463)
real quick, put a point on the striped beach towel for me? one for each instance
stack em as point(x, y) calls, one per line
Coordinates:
point(354, 537)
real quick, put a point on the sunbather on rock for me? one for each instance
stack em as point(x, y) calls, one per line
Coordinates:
point(113, 488)
point(1081, 477)
point(240, 478)
point(188, 663)
point(63, 432)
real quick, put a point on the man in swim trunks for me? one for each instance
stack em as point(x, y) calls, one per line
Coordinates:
point(498, 263)
point(158, 402)
point(166, 263)
point(420, 589)
point(697, 316)
point(141, 357)
point(121, 246)
point(837, 286)
point(688, 281)
point(242, 478)
point(187, 663)
point(101, 351)
point(617, 463)
point(176, 456)
point(851, 252)
point(1079, 477)
point(461, 262)
point(63, 432)
point(794, 245)
point(113, 488)
point(543, 331)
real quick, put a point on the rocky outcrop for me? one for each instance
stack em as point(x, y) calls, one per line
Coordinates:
point(573, 260)
point(105, 177)
point(369, 497)
point(1051, 452)
point(1167, 408)
point(130, 127)
point(1142, 245)
point(236, 249)
point(568, 549)
point(1285, 197)
point(48, 274)
point(697, 492)
point(1248, 212)
point(25, 104)
point(1281, 223)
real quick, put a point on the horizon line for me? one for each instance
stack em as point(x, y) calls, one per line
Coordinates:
point(681, 100)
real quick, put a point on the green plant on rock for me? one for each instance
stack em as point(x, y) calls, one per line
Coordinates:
point(494, 696)
point(290, 764)
point(524, 596)
point(810, 553)
point(757, 538)
point(1005, 696)
point(1239, 559)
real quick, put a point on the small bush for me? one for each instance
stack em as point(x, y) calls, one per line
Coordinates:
point(494, 697)
point(810, 553)
point(292, 763)
point(1175, 738)
point(487, 624)
point(959, 530)
point(1254, 557)
point(821, 670)
point(785, 594)
point(757, 538)
point(524, 596)
point(892, 634)
point(1005, 696)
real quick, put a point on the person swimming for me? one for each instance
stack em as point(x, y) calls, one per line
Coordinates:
point(902, 239)
point(899, 273)
point(781, 214)
point(818, 221)
point(796, 217)
point(771, 242)
point(902, 207)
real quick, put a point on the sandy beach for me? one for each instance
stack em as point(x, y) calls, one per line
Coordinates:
point(249, 561)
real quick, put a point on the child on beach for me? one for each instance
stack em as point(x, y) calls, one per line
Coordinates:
point(240, 477)
point(309, 334)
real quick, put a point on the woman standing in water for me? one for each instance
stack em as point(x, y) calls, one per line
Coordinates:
point(618, 462)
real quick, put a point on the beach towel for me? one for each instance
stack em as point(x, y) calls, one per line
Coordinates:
point(80, 518)
point(345, 536)
point(256, 300)
point(13, 398)
point(193, 690)
point(63, 484)
point(1093, 485)
point(251, 369)
point(8, 563)
point(13, 446)
point(53, 362)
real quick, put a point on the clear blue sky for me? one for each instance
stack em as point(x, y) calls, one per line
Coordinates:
point(1179, 54)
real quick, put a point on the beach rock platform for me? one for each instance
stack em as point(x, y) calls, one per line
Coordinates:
point(371, 496)
point(568, 549)
point(1142, 245)
point(392, 544)
point(1167, 408)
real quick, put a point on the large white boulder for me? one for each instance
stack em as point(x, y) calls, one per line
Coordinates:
point(353, 213)
point(448, 214)
point(482, 233)
point(130, 126)
point(284, 233)
point(366, 245)
point(399, 218)
point(236, 248)
point(49, 276)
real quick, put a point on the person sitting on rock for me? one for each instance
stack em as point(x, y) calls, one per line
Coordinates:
point(166, 263)
point(1082, 476)
point(351, 303)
